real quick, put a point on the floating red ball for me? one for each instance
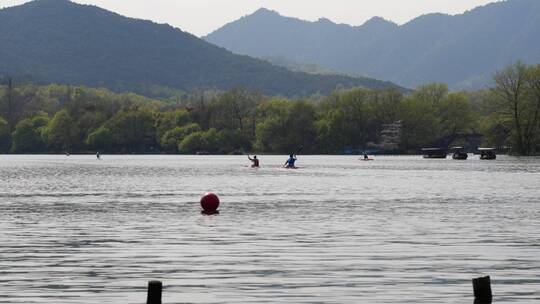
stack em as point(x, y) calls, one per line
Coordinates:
point(210, 202)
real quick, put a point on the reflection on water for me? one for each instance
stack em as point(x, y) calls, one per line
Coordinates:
point(396, 230)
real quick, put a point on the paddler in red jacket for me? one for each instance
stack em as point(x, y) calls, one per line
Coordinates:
point(254, 161)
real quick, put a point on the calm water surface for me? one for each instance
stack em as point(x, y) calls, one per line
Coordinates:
point(395, 230)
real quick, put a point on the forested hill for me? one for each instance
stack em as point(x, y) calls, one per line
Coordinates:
point(462, 50)
point(64, 42)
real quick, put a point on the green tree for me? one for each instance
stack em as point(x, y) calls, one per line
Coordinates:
point(420, 124)
point(100, 139)
point(532, 125)
point(212, 141)
point(133, 130)
point(432, 93)
point(235, 110)
point(272, 130)
point(456, 115)
point(285, 126)
point(510, 92)
point(302, 131)
point(345, 121)
point(167, 121)
point(386, 106)
point(61, 132)
point(171, 139)
point(27, 135)
point(88, 122)
point(234, 141)
point(193, 143)
point(4, 135)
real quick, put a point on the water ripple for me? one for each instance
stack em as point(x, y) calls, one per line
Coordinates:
point(396, 230)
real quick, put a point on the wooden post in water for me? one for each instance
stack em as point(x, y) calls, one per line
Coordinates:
point(482, 290)
point(154, 292)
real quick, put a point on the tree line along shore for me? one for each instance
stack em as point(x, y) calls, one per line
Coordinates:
point(73, 119)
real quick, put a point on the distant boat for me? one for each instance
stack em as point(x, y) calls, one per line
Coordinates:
point(203, 153)
point(434, 152)
point(459, 154)
point(487, 153)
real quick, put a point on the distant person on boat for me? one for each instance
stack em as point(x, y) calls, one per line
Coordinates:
point(290, 162)
point(98, 156)
point(254, 161)
point(366, 157)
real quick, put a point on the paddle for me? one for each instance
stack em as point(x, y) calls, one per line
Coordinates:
point(244, 152)
point(246, 155)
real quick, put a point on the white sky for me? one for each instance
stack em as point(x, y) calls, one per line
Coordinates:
point(201, 17)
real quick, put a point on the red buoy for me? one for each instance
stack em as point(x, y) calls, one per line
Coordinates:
point(210, 202)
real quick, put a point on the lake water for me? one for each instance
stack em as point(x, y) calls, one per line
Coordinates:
point(338, 230)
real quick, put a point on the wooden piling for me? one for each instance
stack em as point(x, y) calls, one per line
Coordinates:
point(482, 290)
point(154, 292)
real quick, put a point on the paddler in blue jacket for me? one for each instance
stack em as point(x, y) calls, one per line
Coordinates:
point(290, 162)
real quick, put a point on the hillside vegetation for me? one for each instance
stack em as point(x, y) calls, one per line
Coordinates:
point(77, 119)
point(57, 41)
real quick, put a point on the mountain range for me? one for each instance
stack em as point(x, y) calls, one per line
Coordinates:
point(64, 42)
point(461, 50)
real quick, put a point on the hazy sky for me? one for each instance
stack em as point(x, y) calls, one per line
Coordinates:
point(200, 17)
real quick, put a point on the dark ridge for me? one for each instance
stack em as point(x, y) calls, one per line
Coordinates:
point(461, 50)
point(64, 42)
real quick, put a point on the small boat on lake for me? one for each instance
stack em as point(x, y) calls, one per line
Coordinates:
point(434, 152)
point(487, 153)
point(459, 154)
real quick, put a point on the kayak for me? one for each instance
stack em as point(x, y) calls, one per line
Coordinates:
point(366, 159)
point(292, 168)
